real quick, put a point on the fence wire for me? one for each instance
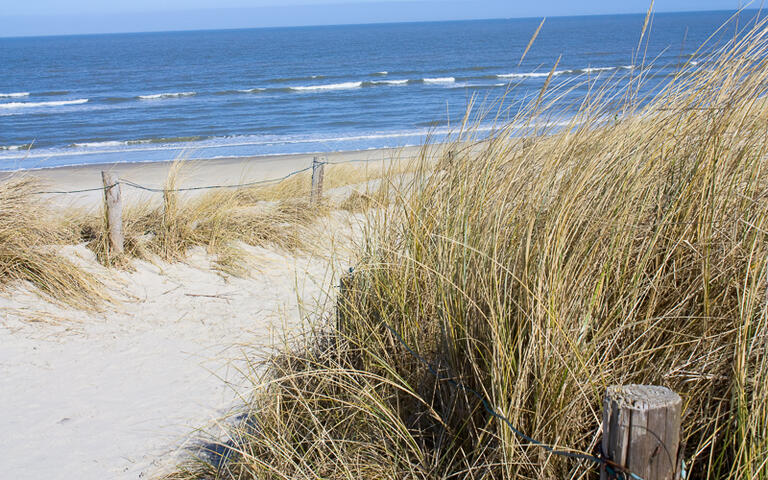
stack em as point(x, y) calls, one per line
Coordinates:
point(132, 184)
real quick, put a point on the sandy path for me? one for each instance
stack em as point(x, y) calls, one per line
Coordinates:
point(97, 396)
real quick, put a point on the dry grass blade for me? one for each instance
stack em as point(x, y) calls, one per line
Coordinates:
point(530, 42)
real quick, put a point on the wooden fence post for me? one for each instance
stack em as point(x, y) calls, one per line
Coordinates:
point(113, 203)
point(318, 172)
point(641, 432)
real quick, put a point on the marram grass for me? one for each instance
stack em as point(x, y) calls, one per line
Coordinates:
point(276, 214)
point(629, 247)
point(30, 236)
point(32, 231)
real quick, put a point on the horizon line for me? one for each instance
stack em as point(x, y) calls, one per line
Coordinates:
point(318, 25)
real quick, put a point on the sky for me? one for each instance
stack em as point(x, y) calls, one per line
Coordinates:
point(58, 17)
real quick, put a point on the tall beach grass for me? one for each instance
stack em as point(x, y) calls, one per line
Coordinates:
point(627, 247)
point(30, 236)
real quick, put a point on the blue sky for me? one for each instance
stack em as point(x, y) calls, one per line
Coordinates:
point(54, 17)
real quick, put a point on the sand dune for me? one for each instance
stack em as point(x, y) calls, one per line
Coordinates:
point(110, 394)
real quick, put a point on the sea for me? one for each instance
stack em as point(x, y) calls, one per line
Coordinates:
point(140, 97)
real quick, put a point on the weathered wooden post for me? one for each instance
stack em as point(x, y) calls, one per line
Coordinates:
point(113, 204)
point(641, 432)
point(318, 172)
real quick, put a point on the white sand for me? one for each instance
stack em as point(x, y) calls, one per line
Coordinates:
point(195, 173)
point(112, 395)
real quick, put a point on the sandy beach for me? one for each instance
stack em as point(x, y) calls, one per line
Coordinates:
point(120, 393)
point(110, 394)
point(383, 240)
point(196, 173)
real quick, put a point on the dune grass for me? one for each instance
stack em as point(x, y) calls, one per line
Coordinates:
point(32, 231)
point(30, 236)
point(278, 214)
point(216, 220)
point(628, 247)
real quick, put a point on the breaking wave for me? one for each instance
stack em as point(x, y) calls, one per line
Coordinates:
point(15, 105)
point(158, 96)
point(440, 80)
point(14, 95)
point(332, 86)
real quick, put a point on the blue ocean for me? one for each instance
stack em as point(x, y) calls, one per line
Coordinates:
point(88, 99)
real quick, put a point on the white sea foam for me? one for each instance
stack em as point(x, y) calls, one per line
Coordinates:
point(99, 144)
point(561, 72)
point(158, 96)
point(15, 147)
point(203, 145)
point(390, 82)
point(532, 74)
point(252, 90)
point(440, 80)
point(333, 86)
point(14, 105)
point(382, 73)
point(598, 69)
point(14, 95)
point(479, 85)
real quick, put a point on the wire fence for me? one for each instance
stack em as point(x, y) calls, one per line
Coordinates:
point(137, 186)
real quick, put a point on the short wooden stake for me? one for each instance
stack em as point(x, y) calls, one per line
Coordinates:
point(641, 432)
point(113, 203)
point(318, 172)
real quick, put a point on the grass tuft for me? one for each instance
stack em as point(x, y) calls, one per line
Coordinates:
point(29, 239)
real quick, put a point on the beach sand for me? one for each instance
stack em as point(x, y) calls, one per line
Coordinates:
point(115, 394)
point(197, 173)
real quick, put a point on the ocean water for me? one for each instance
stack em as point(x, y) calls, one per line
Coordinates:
point(207, 94)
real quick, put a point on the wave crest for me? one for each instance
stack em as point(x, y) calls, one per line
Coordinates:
point(532, 74)
point(61, 103)
point(598, 69)
point(389, 82)
point(26, 146)
point(575, 71)
point(252, 90)
point(146, 141)
point(14, 95)
point(159, 96)
point(332, 86)
point(439, 80)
